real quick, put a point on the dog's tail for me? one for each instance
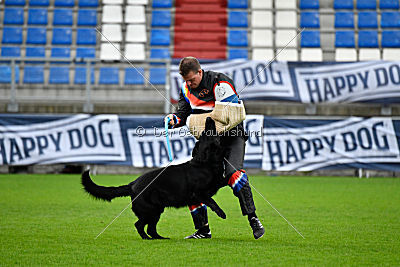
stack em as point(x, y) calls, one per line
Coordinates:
point(103, 192)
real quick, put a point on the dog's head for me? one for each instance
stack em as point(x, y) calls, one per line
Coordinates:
point(208, 148)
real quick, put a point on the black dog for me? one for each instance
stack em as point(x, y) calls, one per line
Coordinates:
point(190, 183)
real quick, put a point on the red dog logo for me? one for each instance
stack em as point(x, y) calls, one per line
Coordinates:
point(204, 92)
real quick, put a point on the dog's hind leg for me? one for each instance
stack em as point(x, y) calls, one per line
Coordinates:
point(152, 227)
point(140, 224)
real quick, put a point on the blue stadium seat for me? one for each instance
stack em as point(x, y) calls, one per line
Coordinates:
point(33, 74)
point(344, 39)
point(36, 35)
point(14, 2)
point(157, 76)
point(237, 4)
point(85, 52)
point(64, 3)
point(37, 16)
point(35, 51)
point(12, 35)
point(391, 39)
point(60, 52)
point(159, 53)
point(80, 75)
point(366, 4)
point(59, 75)
point(86, 36)
point(87, 17)
point(344, 19)
point(161, 18)
point(109, 75)
point(162, 3)
point(389, 4)
point(62, 36)
point(309, 19)
point(5, 74)
point(343, 4)
point(390, 19)
point(368, 39)
point(238, 53)
point(10, 51)
point(13, 15)
point(310, 39)
point(367, 20)
point(88, 3)
point(237, 19)
point(309, 4)
point(237, 38)
point(62, 16)
point(39, 2)
point(132, 76)
point(160, 37)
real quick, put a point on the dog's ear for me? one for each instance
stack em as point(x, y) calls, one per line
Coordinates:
point(210, 124)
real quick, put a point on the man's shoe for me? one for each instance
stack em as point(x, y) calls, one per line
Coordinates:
point(258, 229)
point(199, 235)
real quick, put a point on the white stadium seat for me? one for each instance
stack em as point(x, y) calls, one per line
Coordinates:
point(286, 19)
point(263, 54)
point(138, 2)
point(346, 54)
point(136, 33)
point(261, 18)
point(283, 37)
point(135, 14)
point(261, 38)
point(113, 32)
point(287, 4)
point(108, 52)
point(135, 52)
point(113, 2)
point(112, 14)
point(261, 4)
point(311, 54)
point(289, 54)
point(391, 54)
point(369, 54)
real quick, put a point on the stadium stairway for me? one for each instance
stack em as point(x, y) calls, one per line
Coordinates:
point(200, 29)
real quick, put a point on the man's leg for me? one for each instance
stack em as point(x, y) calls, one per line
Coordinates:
point(200, 220)
point(238, 181)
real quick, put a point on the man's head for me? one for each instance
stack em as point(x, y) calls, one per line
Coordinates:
point(190, 69)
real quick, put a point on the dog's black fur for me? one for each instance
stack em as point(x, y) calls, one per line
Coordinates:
point(190, 183)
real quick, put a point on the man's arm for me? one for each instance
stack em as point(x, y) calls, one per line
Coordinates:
point(178, 118)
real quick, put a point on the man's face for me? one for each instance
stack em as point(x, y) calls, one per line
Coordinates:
point(193, 79)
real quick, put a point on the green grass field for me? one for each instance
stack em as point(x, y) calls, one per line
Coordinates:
point(49, 220)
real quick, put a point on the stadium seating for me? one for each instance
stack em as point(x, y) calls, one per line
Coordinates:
point(261, 4)
point(5, 74)
point(159, 53)
point(12, 35)
point(62, 17)
point(286, 4)
point(310, 39)
point(286, 19)
point(238, 53)
point(237, 4)
point(160, 37)
point(237, 38)
point(111, 32)
point(262, 54)
point(345, 39)
point(64, 3)
point(135, 14)
point(161, 18)
point(389, 4)
point(39, 2)
point(62, 36)
point(133, 77)
point(368, 39)
point(309, 4)
point(367, 19)
point(85, 52)
point(13, 15)
point(390, 19)
point(136, 33)
point(366, 4)
point(35, 51)
point(33, 74)
point(14, 2)
point(109, 52)
point(88, 3)
point(112, 14)
point(87, 17)
point(157, 75)
point(391, 38)
point(109, 75)
point(237, 19)
point(261, 38)
point(343, 4)
point(135, 52)
point(309, 20)
point(60, 52)
point(80, 76)
point(86, 36)
point(37, 16)
point(344, 19)
point(261, 19)
point(162, 3)
point(36, 35)
point(59, 75)
point(10, 51)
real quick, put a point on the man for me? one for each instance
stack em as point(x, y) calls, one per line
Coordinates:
point(198, 95)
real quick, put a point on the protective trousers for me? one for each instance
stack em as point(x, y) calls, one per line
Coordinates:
point(236, 178)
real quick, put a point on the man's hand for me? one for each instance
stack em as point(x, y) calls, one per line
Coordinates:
point(172, 119)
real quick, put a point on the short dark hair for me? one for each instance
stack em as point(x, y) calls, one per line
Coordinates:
point(189, 64)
